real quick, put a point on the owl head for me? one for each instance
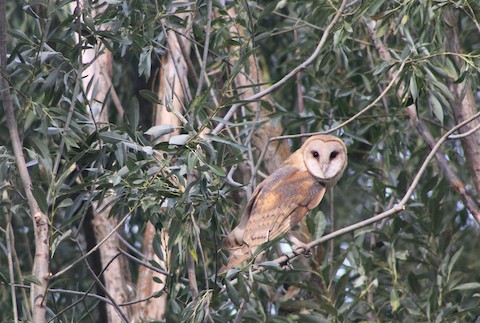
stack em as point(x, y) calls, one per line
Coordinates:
point(325, 158)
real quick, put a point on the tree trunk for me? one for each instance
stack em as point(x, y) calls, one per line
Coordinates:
point(277, 151)
point(40, 221)
point(173, 80)
point(117, 275)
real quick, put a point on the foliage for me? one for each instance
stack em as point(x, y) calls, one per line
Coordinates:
point(420, 265)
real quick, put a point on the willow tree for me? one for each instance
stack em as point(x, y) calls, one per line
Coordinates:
point(197, 103)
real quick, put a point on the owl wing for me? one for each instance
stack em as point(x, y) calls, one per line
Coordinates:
point(280, 204)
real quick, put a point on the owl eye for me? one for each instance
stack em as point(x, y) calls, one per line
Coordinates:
point(315, 154)
point(333, 154)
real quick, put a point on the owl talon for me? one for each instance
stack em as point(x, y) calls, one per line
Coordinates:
point(287, 266)
point(303, 249)
point(307, 253)
point(300, 247)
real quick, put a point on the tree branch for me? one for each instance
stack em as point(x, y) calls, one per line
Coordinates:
point(343, 124)
point(205, 48)
point(287, 77)
point(453, 178)
point(401, 206)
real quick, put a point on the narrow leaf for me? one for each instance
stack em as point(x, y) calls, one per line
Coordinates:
point(467, 286)
point(160, 130)
point(179, 140)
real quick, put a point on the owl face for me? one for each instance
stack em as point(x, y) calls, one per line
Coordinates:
point(325, 158)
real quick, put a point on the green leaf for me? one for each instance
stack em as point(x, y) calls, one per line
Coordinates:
point(436, 107)
point(394, 300)
point(217, 170)
point(179, 140)
point(232, 293)
point(271, 264)
point(145, 62)
point(59, 239)
point(467, 286)
point(111, 137)
point(413, 88)
point(175, 307)
point(160, 130)
point(454, 260)
point(150, 96)
point(65, 203)
point(157, 247)
point(321, 225)
point(29, 279)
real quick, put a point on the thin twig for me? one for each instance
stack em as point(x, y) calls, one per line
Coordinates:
point(102, 286)
point(63, 271)
point(67, 291)
point(145, 264)
point(10, 245)
point(465, 134)
point(141, 300)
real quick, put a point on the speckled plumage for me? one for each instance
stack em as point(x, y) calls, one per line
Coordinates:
point(286, 196)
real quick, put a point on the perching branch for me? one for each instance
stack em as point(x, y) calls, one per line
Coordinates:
point(401, 206)
point(287, 77)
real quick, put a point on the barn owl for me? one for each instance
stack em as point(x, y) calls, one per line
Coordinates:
point(285, 197)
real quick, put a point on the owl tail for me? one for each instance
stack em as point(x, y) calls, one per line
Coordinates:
point(237, 256)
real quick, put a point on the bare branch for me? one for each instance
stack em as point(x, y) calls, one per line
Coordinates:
point(465, 134)
point(343, 124)
point(63, 271)
point(452, 176)
point(102, 286)
point(205, 48)
point(67, 291)
point(287, 77)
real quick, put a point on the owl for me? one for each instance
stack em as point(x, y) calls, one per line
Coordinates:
point(286, 196)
